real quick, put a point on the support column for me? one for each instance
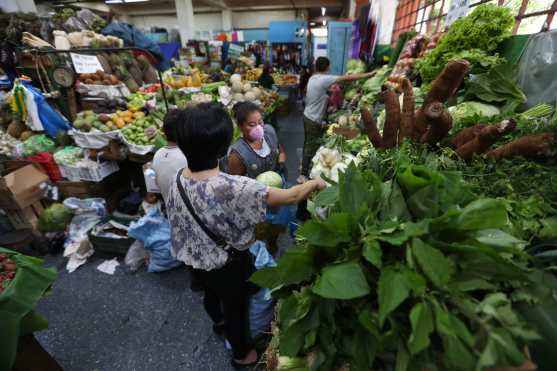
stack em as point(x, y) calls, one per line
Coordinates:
point(352, 9)
point(226, 20)
point(184, 11)
point(12, 6)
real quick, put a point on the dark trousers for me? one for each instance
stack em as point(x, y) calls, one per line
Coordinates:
point(227, 299)
point(313, 138)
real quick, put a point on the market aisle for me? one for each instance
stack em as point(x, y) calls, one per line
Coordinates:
point(141, 321)
point(291, 136)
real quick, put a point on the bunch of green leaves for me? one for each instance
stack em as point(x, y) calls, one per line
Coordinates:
point(498, 86)
point(474, 37)
point(404, 273)
point(372, 86)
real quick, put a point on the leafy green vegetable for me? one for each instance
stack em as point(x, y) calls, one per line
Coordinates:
point(408, 268)
point(355, 66)
point(474, 37)
point(54, 218)
point(470, 113)
point(498, 85)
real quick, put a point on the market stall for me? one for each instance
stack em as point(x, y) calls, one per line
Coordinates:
point(432, 246)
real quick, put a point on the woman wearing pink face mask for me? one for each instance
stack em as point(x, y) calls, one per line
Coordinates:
point(258, 150)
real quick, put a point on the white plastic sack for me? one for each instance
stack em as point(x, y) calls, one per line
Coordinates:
point(107, 91)
point(93, 140)
point(135, 257)
point(87, 213)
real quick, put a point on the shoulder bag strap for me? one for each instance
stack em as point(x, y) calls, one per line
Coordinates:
point(216, 239)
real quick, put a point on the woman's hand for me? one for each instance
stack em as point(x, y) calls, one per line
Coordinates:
point(320, 184)
point(281, 197)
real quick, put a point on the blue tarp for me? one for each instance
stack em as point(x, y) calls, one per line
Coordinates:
point(135, 38)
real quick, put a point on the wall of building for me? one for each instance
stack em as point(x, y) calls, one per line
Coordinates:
point(212, 21)
point(260, 18)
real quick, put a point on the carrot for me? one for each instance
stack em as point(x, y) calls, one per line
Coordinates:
point(485, 139)
point(465, 135)
point(448, 82)
point(407, 118)
point(392, 119)
point(439, 122)
point(529, 146)
point(371, 128)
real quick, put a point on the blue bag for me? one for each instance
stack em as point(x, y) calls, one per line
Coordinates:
point(261, 304)
point(51, 120)
point(154, 231)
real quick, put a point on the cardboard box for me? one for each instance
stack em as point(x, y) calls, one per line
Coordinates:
point(22, 187)
point(26, 217)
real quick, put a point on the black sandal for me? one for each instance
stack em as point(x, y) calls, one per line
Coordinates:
point(237, 365)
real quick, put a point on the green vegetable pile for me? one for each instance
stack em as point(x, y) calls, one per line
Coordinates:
point(55, 218)
point(411, 269)
point(355, 66)
point(474, 38)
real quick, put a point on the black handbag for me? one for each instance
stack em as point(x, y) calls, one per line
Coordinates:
point(234, 256)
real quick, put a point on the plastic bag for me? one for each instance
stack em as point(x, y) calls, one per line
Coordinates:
point(68, 156)
point(87, 213)
point(135, 257)
point(261, 307)
point(38, 143)
point(537, 67)
point(51, 120)
point(74, 24)
point(88, 17)
point(154, 231)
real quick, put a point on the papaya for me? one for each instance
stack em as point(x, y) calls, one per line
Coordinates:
point(150, 75)
point(16, 128)
point(131, 84)
point(26, 135)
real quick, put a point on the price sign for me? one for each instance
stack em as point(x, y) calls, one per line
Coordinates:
point(458, 8)
point(86, 63)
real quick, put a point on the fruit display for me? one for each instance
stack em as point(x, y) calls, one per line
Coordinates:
point(99, 78)
point(89, 121)
point(144, 131)
point(253, 74)
point(285, 79)
point(111, 105)
point(178, 79)
point(7, 271)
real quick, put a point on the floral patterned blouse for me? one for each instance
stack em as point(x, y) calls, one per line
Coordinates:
point(229, 205)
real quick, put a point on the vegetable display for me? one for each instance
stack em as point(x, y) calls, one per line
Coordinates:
point(413, 270)
point(434, 247)
point(473, 38)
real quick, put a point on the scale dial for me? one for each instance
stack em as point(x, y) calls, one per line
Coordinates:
point(63, 76)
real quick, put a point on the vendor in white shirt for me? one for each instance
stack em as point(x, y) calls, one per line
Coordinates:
point(169, 159)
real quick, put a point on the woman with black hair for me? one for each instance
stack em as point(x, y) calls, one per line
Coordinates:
point(258, 150)
point(213, 217)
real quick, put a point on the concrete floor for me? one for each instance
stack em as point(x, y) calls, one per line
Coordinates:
point(138, 321)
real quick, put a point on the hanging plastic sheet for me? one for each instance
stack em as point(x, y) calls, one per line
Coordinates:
point(41, 115)
point(538, 68)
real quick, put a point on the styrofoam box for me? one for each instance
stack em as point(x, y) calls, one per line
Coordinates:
point(93, 174)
